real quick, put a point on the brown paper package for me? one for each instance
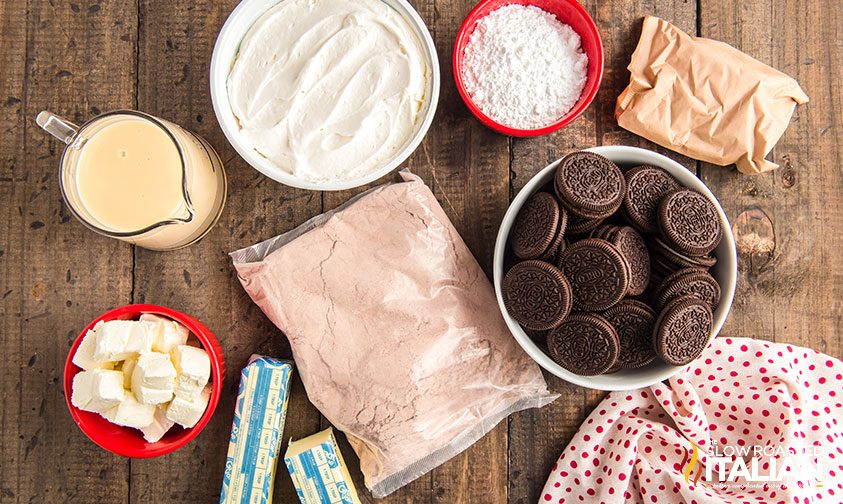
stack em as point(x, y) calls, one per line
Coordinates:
point(705, 99)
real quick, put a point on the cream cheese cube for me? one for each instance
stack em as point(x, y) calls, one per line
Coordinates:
point(141, 338)
point(153, 378)
point(131, 413)
point(84, 356)
point(193, 369)
point(120, 339)
point(167, 333)
point(187, 412)
point(97, 390)
point(159, 426)
point(128, 367)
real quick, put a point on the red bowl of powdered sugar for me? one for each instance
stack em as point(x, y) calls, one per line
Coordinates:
point(531, 100)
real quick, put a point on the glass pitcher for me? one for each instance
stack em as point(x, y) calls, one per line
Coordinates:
point(131, 176)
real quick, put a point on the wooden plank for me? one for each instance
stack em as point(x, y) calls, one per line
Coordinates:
point(12, 178)
point(538, 437)
point(79, 58)
point(176, 40)
point(469, 173)
point(466, 166)
point(741, 26)
point(793, 292)
point(78, 61)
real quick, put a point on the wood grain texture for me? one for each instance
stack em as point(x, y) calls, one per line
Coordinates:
point(81, 58)
point(69, 58)
point(12, 194)
point(538, 437)
point(177, 39)
point(469, 173)
point(788, 222)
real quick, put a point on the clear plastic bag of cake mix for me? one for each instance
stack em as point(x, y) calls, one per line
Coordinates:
point(395, 330)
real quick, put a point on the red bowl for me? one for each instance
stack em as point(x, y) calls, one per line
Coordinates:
point(127, 441)
point(569, 12)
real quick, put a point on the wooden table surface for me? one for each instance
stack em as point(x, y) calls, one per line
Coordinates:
point(79, 58)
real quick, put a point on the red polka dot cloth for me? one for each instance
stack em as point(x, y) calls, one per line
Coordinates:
point(749, 421)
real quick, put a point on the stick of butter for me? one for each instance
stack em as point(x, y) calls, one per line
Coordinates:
point(256, 431)
point(318, 470)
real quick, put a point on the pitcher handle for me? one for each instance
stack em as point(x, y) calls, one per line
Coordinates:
point(60, 128)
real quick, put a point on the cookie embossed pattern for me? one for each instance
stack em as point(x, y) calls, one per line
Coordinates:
point(585, 344)
point(647, 186)
point(632, 246)
point(689, 222)
point(597, 272)
point(642, 216)
point(634, 322)
point(541, 224)
point(537, 295)
point(689, 282)
point(589, 185)
point(682, 330)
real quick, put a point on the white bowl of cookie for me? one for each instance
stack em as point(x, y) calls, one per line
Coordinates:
point(582, 298)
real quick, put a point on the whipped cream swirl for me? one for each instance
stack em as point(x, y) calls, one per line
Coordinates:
point(329, 90)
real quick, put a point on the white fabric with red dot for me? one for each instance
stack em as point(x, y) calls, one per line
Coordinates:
point(636, 446)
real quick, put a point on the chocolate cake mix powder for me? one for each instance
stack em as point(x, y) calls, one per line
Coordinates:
point(395, 330)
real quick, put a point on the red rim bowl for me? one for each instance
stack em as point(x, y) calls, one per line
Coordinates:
point(569, 12)
point(127, 441)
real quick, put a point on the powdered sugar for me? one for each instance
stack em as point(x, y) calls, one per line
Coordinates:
point(523, 67)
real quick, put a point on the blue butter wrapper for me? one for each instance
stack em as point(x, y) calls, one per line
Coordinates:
point(318, 470)
point(256, 431)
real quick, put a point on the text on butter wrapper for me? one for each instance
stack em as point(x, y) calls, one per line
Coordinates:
point(256, 431)
point(318, 470)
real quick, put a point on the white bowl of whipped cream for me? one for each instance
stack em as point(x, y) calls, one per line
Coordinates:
point(324, 94)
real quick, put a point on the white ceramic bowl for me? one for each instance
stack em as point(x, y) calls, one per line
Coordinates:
point(725, 271)
point(225, 51)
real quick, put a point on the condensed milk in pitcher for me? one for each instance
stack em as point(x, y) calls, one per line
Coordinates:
point(140, 179)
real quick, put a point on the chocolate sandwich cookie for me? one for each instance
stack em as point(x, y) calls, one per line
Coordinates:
point(689, 222)
point(563, 245)
point(668, 254)
point(633, 248)
point(661, 267)
point(579, 225)
point(682, 330)
point(536, 294)
point(614, 369)
point(689, 282)
point(540, 337)
point(585, 344)
point(638, 302)
point(598, 274)
point(558, 240)
point(589, 185)
point(646, 186)
point(536, 226)
point(604, 231)
point(634, 322)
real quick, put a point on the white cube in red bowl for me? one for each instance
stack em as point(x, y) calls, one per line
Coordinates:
point(179, 382)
